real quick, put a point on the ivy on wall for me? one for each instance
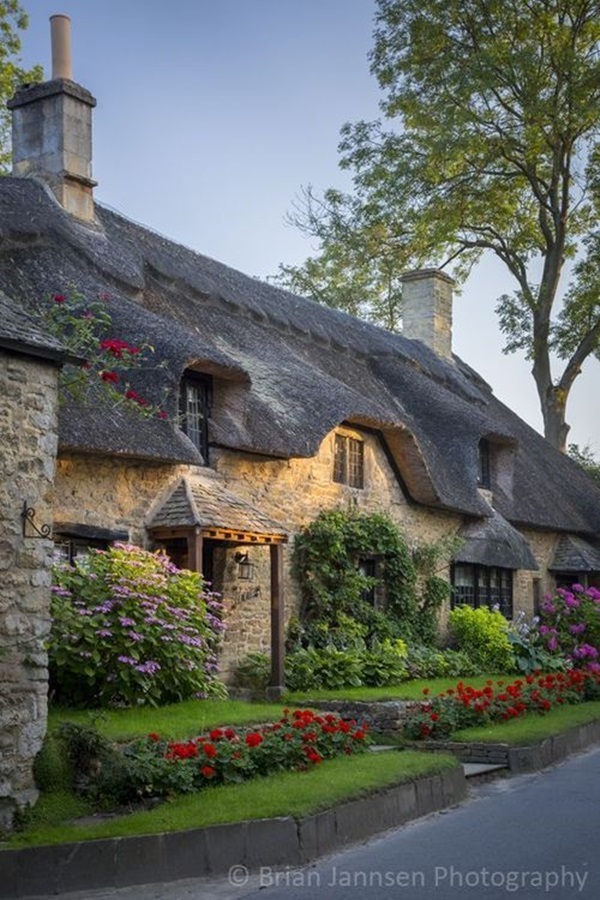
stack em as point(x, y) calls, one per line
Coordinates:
point(326, 562)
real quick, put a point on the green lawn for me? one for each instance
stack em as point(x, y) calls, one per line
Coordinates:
point(282, 794)
point(533, 727)
point(408, 690)
point(176, 721)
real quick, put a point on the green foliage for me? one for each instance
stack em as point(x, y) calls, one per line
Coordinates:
point(489, 145)
point(52, 768)
point(253, 672)
point(570, 625)
point(482, 635)
point(326, 560)
point(84, 327)
point(12, 20)
point(358, 270)
point(130, 628)
point(326, 668)
point(427, 662)
point(154, 767)
point(529, 649)
point(586, 459)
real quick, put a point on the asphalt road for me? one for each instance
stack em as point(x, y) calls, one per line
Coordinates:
point(534, 836)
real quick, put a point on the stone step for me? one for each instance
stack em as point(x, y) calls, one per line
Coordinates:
point(483, 771)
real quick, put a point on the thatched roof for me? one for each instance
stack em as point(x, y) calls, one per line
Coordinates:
point(286, 370)
point(20, 333)
point(494, 542)
point(574, 554)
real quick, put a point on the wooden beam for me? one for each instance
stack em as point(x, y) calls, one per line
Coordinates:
point(276, 686)
point(242, 537)
point(195, 542)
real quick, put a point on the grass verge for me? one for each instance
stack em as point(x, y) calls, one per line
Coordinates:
point(408, 690)
point(282, 794)
point(532, 727)
point(176, 721)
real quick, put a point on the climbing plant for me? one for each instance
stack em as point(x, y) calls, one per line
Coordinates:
point(327, 555)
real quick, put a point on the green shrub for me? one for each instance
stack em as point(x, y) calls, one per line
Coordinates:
point(326, 668)
point(326, 558)
point(570, 626)
point(52, 768)
point(129, 627)
point(427, 662)
point(482, 635)
point(253, 672)
point(385, 664)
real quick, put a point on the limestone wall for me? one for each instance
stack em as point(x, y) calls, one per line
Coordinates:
point(120, 494)
point(28, 391)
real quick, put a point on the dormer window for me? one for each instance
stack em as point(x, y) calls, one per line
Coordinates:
point(194, 409)
point(483, 475)
point(348, 461)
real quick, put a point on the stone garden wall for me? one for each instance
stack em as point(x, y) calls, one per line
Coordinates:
point(28, 398)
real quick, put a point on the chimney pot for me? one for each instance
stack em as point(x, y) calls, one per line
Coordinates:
point(60, 30)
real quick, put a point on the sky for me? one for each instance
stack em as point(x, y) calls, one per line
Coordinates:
point(212, 115)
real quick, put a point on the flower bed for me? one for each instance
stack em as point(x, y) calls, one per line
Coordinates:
point(155, 767)
point(465, 706)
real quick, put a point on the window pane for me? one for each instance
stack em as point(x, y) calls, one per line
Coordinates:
point(339, 459)
point(355, 463)
point(463, 582)
point(194, 410)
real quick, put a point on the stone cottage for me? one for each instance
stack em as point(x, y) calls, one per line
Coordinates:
point(278, 408)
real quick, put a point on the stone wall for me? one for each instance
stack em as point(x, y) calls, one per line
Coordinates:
point(28, 396)
point(121, 494)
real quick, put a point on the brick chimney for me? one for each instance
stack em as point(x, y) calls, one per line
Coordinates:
point(427, 309)
point(52, 130)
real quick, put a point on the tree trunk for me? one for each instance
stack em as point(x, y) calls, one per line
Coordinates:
point(553, 410)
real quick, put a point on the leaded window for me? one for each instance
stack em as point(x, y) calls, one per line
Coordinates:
point(194, 410)
point(348, 461)
point(477, 586)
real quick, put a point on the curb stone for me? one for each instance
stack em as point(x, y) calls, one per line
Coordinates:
point(285, 841)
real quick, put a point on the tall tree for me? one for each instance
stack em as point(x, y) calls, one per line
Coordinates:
point(490, 143)
point(13, 20)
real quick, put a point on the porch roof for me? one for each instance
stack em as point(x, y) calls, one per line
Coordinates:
point(494, 542)
point(217, 512)
point(574, 554)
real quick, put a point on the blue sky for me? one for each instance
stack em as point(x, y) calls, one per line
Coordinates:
point(213, 113)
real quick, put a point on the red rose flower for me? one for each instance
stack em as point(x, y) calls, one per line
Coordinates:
point(208, 771)
point(111, 377)
point(210, 750)
point(254, 739)
point(59, 298)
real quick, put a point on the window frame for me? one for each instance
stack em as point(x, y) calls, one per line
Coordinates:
point(480, 591)
point(198, 435)
point(349, 460)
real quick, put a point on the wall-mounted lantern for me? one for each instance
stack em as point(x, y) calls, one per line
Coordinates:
point(245, 567)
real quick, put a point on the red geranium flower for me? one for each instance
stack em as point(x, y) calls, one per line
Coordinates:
point(210, 750)
point(254, 739)
point(208, 771)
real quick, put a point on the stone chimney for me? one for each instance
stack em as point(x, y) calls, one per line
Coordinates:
point(427, 309)
point(52, 130)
